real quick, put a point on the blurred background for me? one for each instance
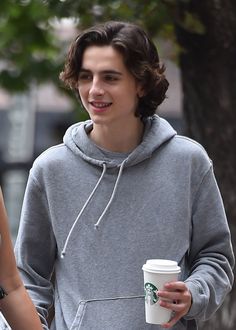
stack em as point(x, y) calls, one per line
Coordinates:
point(196, 41)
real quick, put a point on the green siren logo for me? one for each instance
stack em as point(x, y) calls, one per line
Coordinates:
point(151, 296)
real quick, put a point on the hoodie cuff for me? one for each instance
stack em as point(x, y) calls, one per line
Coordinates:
point(198, 300)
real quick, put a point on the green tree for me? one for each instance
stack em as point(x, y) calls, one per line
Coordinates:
point(204, 33)
point(28, 49)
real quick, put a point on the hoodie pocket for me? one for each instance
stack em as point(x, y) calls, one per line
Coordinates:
point(122, 313)
point(111, 313)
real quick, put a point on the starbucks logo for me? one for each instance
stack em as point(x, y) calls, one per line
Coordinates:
point(151, 296)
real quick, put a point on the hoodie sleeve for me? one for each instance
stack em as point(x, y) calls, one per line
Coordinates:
point(211, 256)
point(36, 248)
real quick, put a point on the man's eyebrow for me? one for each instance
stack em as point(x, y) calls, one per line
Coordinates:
point(112, 72)
point(84, 70)
point(102, 72)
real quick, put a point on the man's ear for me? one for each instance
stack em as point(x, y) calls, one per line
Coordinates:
point(140, 91)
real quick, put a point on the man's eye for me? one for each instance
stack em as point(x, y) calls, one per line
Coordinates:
point(110, 78)
point(85, 76)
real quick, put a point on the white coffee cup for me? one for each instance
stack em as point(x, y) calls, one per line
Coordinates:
point(156, 273)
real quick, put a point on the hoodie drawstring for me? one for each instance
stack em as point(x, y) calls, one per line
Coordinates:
point(112, 195)
point(87, 201)
point(82, 210)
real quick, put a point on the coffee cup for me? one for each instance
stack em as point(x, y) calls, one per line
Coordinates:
point(157, 272)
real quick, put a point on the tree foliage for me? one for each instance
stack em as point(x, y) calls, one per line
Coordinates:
point(27, 46)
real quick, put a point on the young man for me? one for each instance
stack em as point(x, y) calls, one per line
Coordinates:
point(121, 189)
point(15, 303)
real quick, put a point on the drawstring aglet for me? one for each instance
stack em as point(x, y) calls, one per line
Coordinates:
point(63, 255)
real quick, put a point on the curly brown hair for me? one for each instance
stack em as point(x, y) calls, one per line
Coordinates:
point(140, 57)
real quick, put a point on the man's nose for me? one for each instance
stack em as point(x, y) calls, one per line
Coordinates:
point(96, 87)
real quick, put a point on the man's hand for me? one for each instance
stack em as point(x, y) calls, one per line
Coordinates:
point(179, 300)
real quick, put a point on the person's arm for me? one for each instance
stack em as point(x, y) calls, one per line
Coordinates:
point(211, 255)
point(35, 248)
point(15, 303)
point(211, 259)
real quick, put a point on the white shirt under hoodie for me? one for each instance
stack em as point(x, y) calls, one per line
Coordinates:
point(93, 217)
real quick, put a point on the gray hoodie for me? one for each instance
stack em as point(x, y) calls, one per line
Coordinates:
point(93, 217)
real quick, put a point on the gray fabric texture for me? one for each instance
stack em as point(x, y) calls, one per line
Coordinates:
point(166, 204)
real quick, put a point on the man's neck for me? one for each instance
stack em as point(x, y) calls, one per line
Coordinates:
point(118, 139)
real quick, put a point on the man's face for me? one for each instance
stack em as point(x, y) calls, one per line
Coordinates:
point(107, 89)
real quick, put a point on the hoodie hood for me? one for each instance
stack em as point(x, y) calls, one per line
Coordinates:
point(157, 131)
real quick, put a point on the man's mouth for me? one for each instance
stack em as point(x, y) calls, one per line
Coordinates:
point(100, 105)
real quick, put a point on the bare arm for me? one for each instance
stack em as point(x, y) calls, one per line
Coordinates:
point(16, 307)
